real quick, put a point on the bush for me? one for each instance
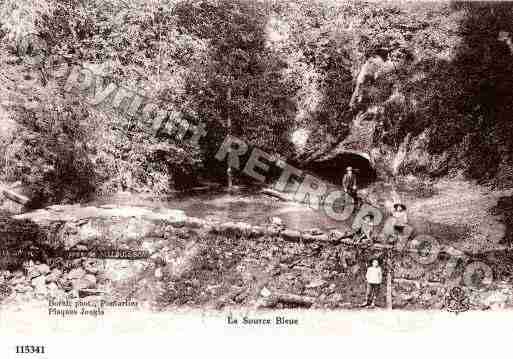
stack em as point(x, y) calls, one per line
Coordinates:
point(49, 154)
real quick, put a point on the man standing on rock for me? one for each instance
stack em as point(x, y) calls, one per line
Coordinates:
point(349, 183)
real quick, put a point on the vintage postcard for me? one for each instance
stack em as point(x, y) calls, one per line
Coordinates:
point(243, 167)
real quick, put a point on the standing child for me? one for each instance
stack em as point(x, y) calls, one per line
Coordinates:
point(374, 278)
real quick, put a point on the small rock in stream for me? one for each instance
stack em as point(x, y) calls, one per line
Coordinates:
point(6, 274)
point(39, 281)
point(316, 283)
point(43, 268)
point(91, 266)
point(5, 290)
point(276, 221)
point(54, 275)
point(88, 281)
point(158, 273)
point(91, 279)
point(23, 288)
point(315, 232)
point(291, 234)
point(76, 273)
point(52, 287)
point(32, 272)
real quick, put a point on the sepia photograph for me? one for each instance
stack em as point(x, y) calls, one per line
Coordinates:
point(254, 167)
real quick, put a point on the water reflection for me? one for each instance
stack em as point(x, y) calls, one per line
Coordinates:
point(247, 205)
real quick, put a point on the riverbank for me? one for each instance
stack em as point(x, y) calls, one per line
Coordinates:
point(220, 264)
point(466, 215)
point(474, 209)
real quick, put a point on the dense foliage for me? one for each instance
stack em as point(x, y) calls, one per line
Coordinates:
point(441, 86)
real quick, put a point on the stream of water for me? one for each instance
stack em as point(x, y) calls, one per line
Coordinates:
point(247, 205)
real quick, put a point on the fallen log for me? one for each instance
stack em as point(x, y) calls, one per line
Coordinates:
point(274, 298)
point(15, 184)
point(16, 197)
point(293, 298)
point(280, 195)
point(418, 283)
point(230, 297)
point(90, 292)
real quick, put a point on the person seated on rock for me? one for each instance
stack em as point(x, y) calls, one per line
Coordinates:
point(399, 221)
point(364, 233)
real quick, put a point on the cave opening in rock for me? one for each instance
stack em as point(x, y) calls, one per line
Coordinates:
point(333, 169)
